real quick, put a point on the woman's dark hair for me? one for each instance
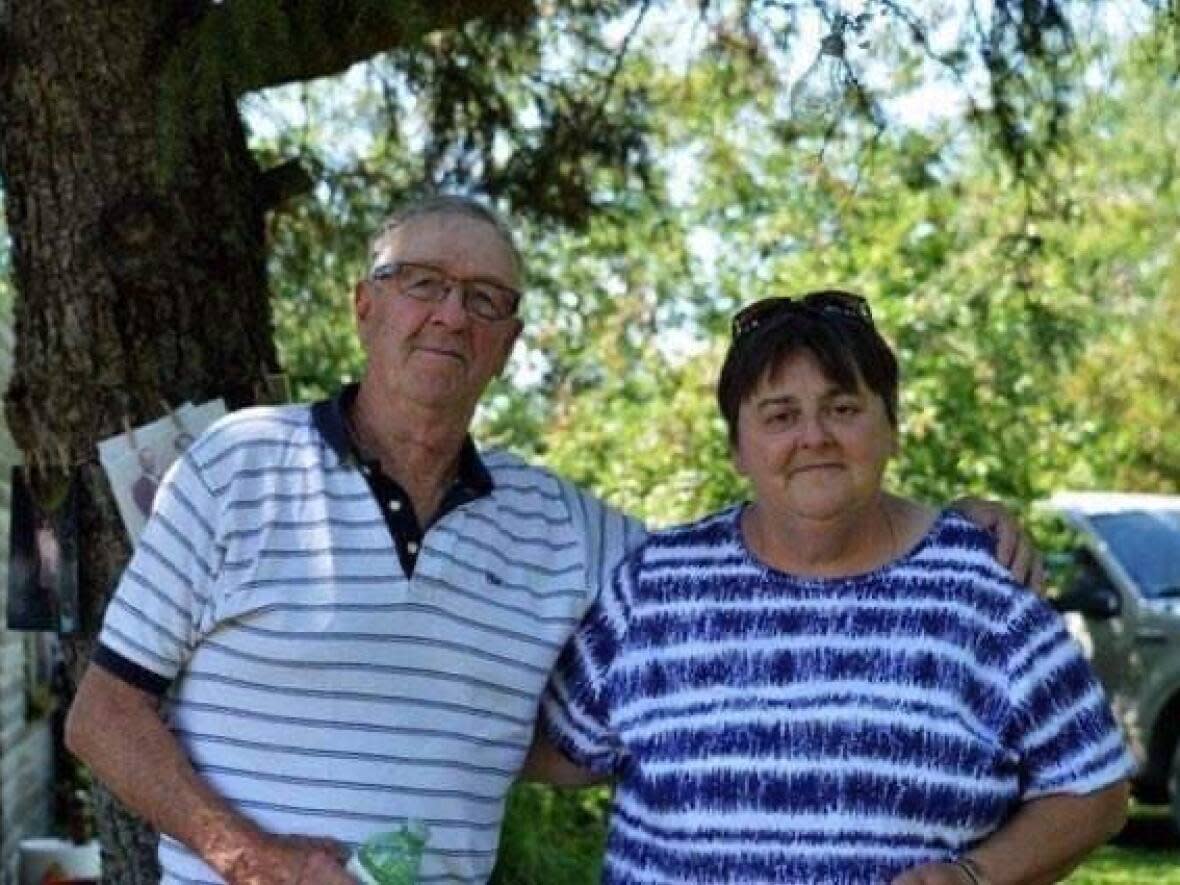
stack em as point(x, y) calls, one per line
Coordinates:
point(834, 327)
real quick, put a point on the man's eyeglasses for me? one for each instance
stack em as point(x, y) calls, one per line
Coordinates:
point(834, 303)
point(482, 299)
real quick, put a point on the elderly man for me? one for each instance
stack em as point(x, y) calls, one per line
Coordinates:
point(351, 610)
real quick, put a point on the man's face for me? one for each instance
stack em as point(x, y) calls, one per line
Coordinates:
point(147, 460)
point(437, 355)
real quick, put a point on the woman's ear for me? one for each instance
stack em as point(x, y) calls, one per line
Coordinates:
point(735, 455)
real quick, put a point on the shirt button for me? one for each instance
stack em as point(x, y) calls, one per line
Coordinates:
point(395, 505)
point(413, 548)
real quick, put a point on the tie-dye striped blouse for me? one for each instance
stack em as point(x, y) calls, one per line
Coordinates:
point(768, 728)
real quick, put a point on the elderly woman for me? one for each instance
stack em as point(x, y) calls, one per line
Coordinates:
point(831, 684)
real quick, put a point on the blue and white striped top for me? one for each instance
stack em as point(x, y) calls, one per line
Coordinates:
point(317, 687)
point(766, 728)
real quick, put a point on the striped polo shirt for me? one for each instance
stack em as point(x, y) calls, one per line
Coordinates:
point(766, 728)
point(315, 685)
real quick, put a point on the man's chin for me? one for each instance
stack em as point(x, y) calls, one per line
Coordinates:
point(436, 392)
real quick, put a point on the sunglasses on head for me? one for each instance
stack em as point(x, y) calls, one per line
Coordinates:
point(834, 303)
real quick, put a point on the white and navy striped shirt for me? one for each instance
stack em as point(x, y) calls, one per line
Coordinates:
point(771, 729)
point(315, 685)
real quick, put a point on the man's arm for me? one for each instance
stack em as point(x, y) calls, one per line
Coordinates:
point(115, 728)
point(548, 765)
point(1043, 841)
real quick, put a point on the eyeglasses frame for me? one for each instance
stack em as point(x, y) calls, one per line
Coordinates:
point(387, 272)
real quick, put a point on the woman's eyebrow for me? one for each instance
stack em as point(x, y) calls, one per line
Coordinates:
point(791, 398)
point(775, 400)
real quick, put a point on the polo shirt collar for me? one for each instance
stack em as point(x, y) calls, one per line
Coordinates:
point(329, 418)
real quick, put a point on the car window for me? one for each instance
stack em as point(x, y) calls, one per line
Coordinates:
point(1147, 544)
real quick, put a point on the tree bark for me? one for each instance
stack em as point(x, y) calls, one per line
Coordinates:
point(136, 214)
point(317, 38)
point(140, 277)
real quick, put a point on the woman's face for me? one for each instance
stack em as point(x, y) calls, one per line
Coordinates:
point(810, 449)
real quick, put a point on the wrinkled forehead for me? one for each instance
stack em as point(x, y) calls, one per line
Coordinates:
point(458, 243)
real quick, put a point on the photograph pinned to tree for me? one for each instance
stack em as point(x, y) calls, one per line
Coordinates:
point(43, 551)
point(136, 460)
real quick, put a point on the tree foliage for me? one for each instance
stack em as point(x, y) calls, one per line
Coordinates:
point(1128, 210)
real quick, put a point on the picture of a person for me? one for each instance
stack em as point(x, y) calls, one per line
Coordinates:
point(143, 490)
point(48, 555)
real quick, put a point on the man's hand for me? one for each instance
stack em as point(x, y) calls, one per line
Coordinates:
point(934, 874)
point(1014, 549)
point(286, 860)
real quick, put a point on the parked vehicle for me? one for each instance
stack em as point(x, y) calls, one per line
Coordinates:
point(1120, 592)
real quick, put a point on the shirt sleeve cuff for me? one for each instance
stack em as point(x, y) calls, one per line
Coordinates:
point(599, 760)
point(129, 671)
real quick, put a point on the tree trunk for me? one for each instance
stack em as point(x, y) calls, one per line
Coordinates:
point(136, 214)
point(139, 270)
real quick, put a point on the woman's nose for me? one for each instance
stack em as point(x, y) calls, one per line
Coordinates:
point(814, 431)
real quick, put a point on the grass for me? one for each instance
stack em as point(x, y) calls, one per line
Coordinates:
point(1115, 865)
point(1146, 851)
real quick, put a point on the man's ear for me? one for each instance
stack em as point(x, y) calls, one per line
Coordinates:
point(362, 309)
point(509, 343)
point(362, 301)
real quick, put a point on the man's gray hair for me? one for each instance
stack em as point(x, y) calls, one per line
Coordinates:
point(449, 204)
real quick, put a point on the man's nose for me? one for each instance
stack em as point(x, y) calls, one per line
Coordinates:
point(452, 310)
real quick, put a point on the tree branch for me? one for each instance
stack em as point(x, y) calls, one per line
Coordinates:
point(271, 44)
point(284, 182)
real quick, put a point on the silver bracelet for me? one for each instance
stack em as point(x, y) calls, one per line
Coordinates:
point(975, 875)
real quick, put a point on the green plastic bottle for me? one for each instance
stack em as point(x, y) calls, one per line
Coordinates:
point(391, 858)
